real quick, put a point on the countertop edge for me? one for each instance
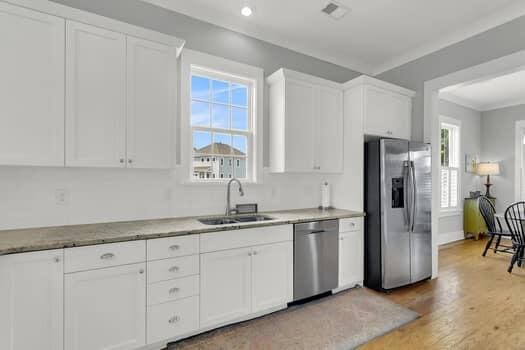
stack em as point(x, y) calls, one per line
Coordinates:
point(148, 236)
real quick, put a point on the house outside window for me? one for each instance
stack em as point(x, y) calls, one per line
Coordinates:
point(221, 124)
point(450, 163)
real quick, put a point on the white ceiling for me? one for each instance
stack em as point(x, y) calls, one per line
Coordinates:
point(492, 93)
point(374, 36)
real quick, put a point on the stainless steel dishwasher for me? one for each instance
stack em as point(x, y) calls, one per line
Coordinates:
point(316, 258)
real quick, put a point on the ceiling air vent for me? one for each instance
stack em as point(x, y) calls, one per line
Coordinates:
point(335, 10)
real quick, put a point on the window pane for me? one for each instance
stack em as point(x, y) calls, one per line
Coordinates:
point(222, 143)
point(200, 113)
point(239, 118)
point(201, 140)
point(220, 116)
point(445, 147)
point(239, 95)
point(239, 145)
point(220, 91)
point(200, 88)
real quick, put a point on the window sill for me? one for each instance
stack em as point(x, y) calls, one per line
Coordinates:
point(451, 212)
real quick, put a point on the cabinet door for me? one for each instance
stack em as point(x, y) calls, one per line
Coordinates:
point(105, 309)
point(272, 275)
point(151, 104)
point(95, 96)
point(300, 111)
point(225, 286)
point(387, 113)
point(31, 300)
point(329, 152)
point(351, 259)
point(32, 87)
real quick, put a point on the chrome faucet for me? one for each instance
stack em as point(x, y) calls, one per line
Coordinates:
point(229, 209)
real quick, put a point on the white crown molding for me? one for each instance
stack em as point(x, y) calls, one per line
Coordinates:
point(70, 13)
point(504, 104)
point(366, 80)
point(498, 18)
point(447, 96)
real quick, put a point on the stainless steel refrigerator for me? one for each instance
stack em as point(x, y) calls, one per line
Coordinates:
point(398, 192)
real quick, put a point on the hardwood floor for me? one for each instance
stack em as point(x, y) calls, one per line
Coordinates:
point(474, 304)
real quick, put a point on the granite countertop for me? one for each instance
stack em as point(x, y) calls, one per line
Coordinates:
point(34, 239)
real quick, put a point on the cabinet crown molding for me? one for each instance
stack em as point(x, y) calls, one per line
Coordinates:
point(288, 73)
point(366, 80)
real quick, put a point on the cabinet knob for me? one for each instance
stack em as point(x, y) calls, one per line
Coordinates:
point(141, 271)
point(173, 290)
point(175, 247)
point(56, 259)
point(130, 160)
point(317, 167)
point(254, 252)
point(121, 160)
point(107, 256)
point(173, 269)
point(174, 319)
point(389, 132)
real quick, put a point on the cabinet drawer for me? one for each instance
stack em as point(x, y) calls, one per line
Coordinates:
point(210, 242)
point(171, 290)
point(172, 247)
point(351, 224)
point(103, 255)
point(167, 269)
point(173, 319)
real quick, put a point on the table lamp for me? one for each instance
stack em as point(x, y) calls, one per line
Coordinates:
point(487, 168)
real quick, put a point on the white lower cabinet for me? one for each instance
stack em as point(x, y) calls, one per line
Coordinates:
point(272, 275)
point(225, 286)
point(351, 258)
point(31, 301)
point(239, 282)
point(105, 309)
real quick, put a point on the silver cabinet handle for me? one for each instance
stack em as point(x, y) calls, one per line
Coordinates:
point(56, 259)
point(389, 132)
point(175, 247)
point(173, 269)
point(250, 253)
point(130, 160)
point(341, 239)
point(254, 252)
point(174, 319)
point(317, 167)
point(107, 256)
point(121, 160)
point(173, 290)
point(141, 271)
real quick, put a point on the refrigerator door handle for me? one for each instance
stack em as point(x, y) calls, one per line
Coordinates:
point(413, 196)
point(406, 192)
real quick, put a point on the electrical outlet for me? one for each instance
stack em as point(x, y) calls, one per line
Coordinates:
point(61, 196)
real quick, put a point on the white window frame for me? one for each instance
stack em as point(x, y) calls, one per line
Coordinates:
point(192, 61)
point(454, 124)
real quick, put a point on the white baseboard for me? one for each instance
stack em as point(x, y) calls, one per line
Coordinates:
point(448, 237)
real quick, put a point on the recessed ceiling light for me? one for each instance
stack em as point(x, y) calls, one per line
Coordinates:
point(335, 10)
point(246, 11)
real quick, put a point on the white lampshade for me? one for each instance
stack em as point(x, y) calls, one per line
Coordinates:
point(487, 169)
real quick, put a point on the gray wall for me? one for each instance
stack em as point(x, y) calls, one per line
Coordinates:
point(497, 42)
point(498, 134)
point(470, 144)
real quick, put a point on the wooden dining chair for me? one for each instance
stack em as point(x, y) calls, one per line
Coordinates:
point(515, 219)
point(495, 231)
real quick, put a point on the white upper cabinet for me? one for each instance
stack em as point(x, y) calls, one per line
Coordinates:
point(95, 96)
point(32, 87)
point(151, 103)
point(31, 301)
point(387, 108)
point(306, 123)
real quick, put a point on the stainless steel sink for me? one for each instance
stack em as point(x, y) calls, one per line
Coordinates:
point(225, 220)
point(252, 218)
